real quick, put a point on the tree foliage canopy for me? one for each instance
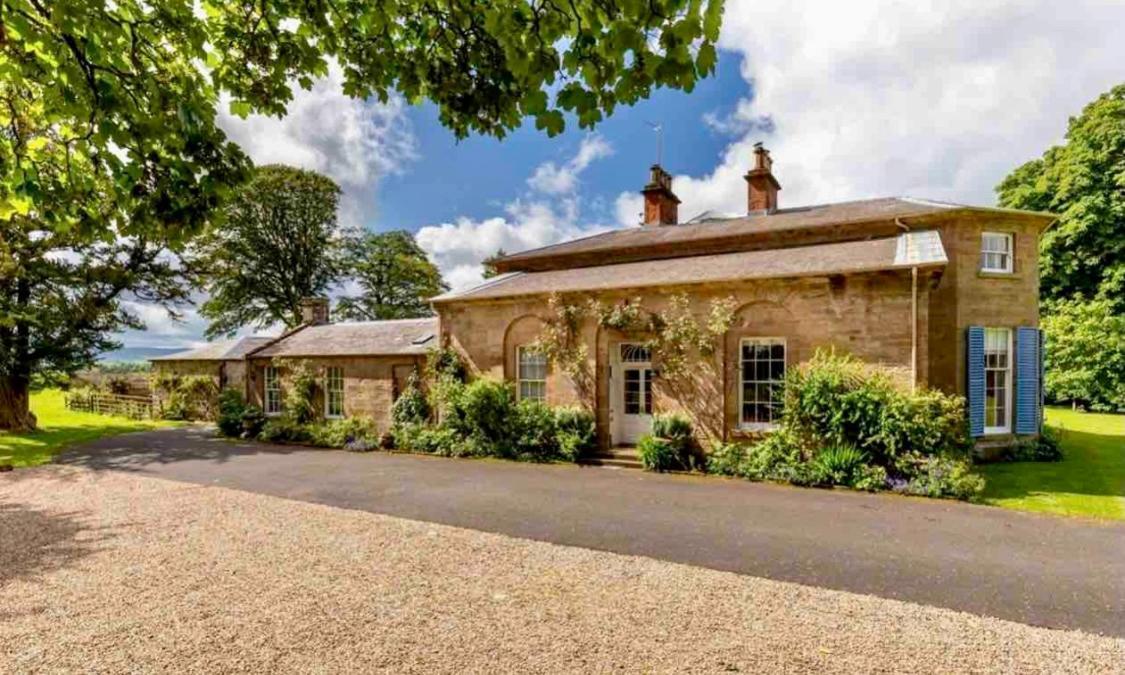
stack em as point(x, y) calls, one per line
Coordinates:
point(278, 245)
point(1085, 356)
point(395, 277)
point(1083, 180)
point(111, 159)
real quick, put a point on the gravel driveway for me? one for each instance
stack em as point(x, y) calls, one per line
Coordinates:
point(1040, 570)
point(112, 572)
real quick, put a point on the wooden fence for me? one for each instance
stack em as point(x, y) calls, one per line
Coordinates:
point(103, 403)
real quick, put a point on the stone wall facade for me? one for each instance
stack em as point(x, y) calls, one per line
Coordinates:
point(967, 296)
point(913, 327)
point(371, 383)
point(224, 374)
point(868, 315)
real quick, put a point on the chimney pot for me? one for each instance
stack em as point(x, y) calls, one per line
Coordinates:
point(314, 311)
point(761, 186)
point(661, 204)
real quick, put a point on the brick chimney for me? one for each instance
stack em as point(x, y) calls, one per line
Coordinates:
point(314, 311)
point(661, 204)
point(761, 186)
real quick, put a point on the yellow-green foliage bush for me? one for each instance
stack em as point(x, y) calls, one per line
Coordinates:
point(845, 423)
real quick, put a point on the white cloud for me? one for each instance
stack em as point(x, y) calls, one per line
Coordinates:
point(558, 180)
point(161, 330)
point(537, 220)
point(932, 99)
point(459, 247)
point(354, 142)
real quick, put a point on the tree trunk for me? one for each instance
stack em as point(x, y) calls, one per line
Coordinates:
point(15, 411)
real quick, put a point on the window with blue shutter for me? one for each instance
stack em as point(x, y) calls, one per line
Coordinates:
point(1028, 368)
point(974, 362)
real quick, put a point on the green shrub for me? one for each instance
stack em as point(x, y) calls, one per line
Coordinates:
point(576, 432)
point(176, 408)
point(672, 426)
point(673, 447)
point(1043, 448)
point(231, 408)
point(353, 431)
point(927, 421)
point(838, 400)
point(186, 397)
point(484, 414)
point(444, 363)
point(300, 391)
point(839, 464)
point(437, 440)
point(777, 457)
point(657, 454)
point(411, 406)
point(534, 431)
point(253, 419)
point(284, 429)
point(727, 459)
point(869, 478)
point(944, 477)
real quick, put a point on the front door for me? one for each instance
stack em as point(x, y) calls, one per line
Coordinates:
point(632, 404)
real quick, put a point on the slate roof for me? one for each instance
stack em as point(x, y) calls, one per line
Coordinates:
point(224, 350)
point(369, 338)
point(710, 226)
point(922, 249)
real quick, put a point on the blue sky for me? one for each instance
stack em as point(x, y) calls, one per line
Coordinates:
point(473, 177)
point(937, 99)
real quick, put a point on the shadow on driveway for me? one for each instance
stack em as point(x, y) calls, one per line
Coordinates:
point(138, 451)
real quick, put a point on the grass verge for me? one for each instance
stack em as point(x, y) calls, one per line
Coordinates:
point(60, 428)
point(1089, 481)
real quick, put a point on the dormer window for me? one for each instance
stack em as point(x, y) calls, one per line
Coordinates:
point(996, 252)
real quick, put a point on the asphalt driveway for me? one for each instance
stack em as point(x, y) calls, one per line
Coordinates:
point(1039, 570)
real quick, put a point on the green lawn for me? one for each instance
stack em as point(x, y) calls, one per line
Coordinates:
point(60, 428)
point(1090, 481)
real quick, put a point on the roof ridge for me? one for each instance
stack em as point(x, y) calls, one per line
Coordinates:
point(369, 322)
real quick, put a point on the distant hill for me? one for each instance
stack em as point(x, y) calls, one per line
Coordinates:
point(138, 353)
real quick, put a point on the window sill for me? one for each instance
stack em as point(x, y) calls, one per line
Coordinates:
point(985, 274)
point(756, 428)
point(995, 431)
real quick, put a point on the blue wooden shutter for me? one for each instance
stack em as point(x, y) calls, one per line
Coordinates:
point(1028, 357)
point(974, 362)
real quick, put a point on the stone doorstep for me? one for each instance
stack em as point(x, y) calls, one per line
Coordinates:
point(618, 457)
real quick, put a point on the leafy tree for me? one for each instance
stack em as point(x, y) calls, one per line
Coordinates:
point(278, 244)
point(396, 277)
point(1083, 181)
point(111, 159)
point(1085, 355)
point(489, 263)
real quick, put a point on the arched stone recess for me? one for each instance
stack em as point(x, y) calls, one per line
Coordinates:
point(772, 315)
point(522, 330)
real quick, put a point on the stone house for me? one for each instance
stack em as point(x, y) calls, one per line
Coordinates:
point(943, 295)
point(224, 362)
point(361, 367)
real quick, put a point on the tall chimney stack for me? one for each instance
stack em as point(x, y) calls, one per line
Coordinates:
point(761, 186)
point(661, 204)
point(314, 311)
